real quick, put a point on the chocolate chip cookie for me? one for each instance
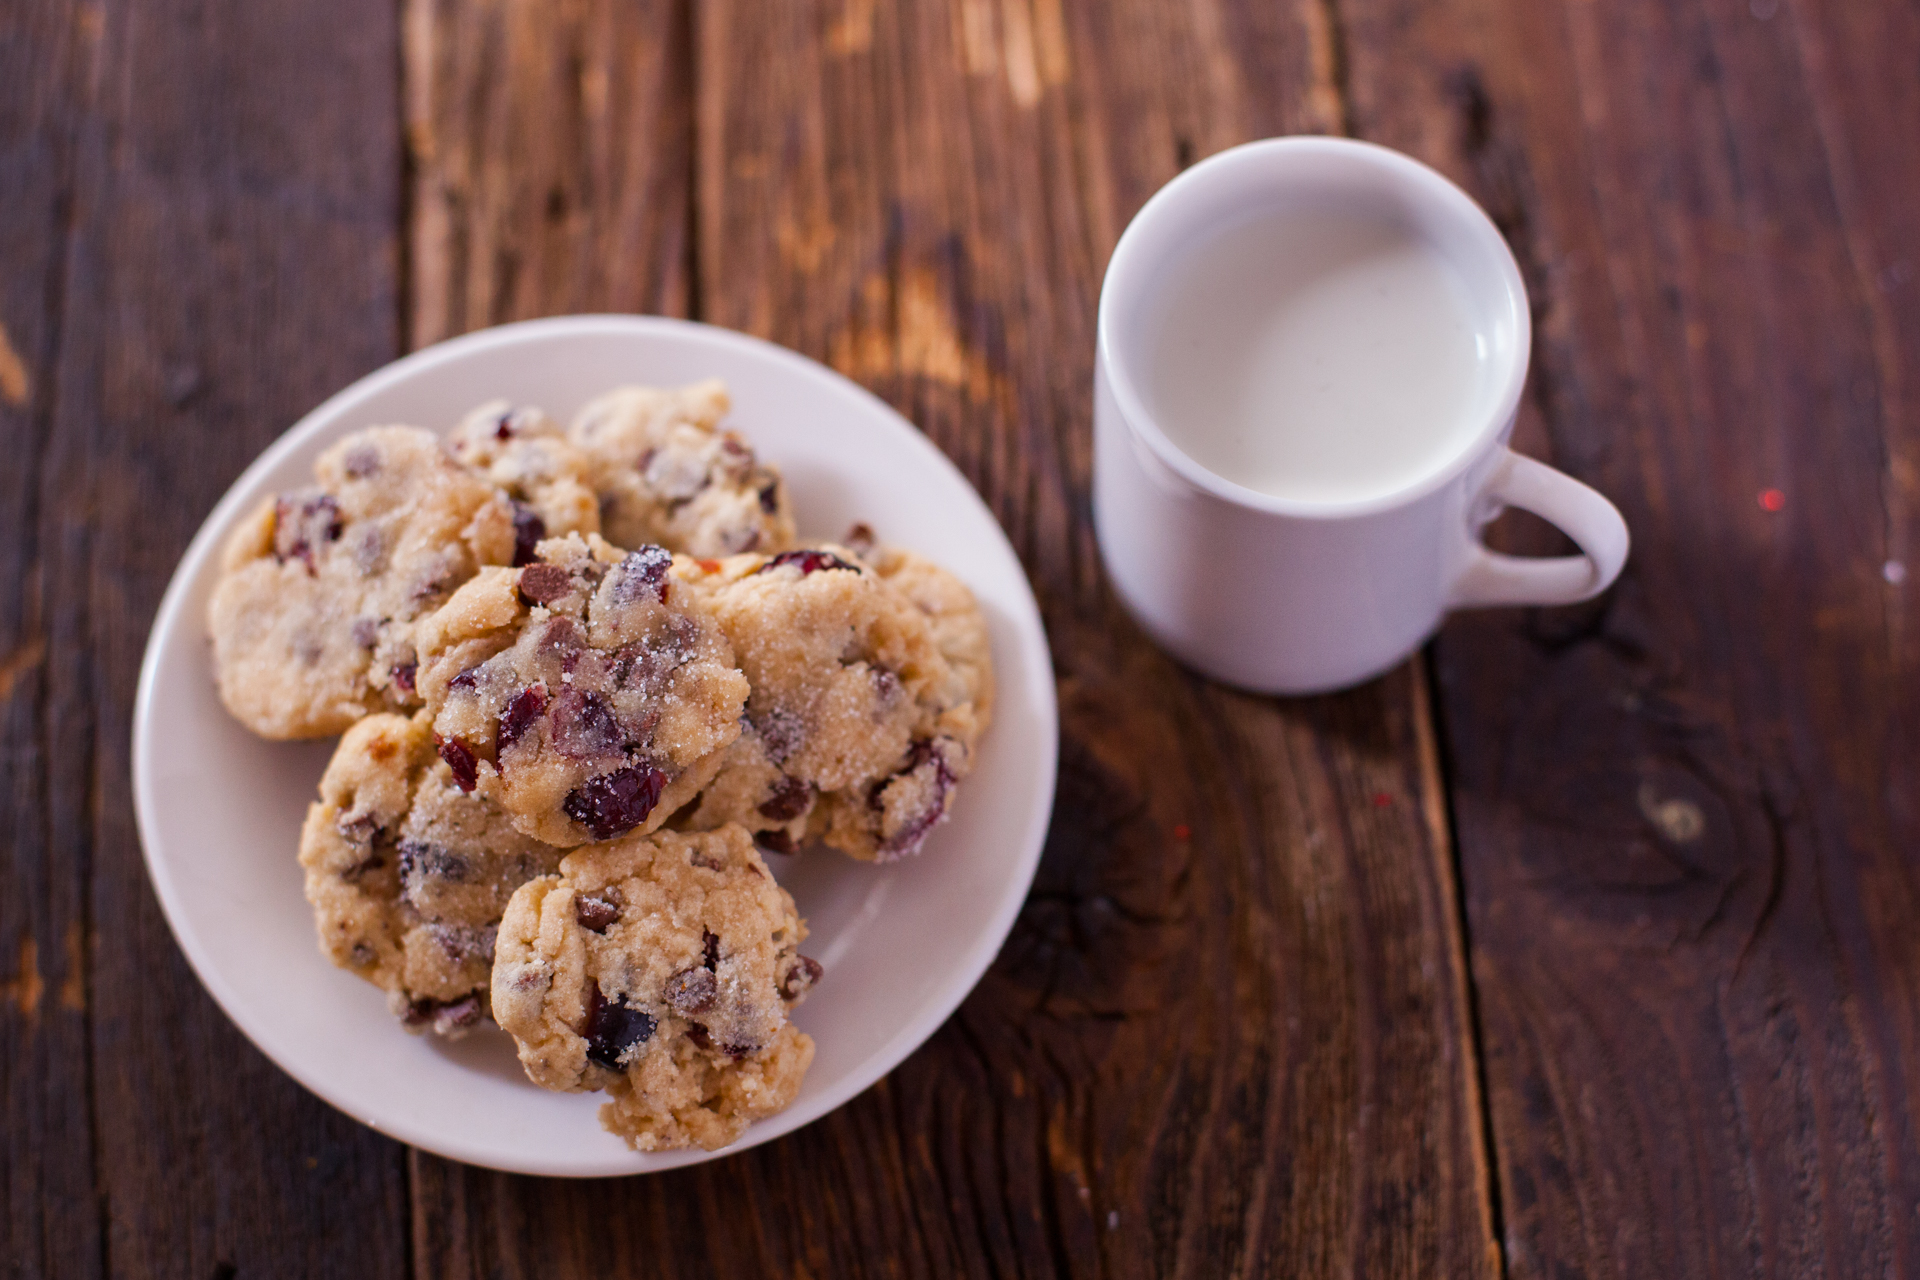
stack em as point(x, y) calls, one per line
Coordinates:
point(587, 693)
point(858, 726)
point(408, 875)
point(668, 473)
point(660, 969)
point(312, 617)
point(543, 485)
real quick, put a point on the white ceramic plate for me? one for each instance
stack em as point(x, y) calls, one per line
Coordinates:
point(220, 810)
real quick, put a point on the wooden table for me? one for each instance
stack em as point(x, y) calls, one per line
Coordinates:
point(1581, 946)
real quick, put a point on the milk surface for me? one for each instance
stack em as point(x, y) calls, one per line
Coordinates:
point(1316, 356)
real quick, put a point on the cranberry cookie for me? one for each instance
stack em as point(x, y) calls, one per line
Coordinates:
point(660, 969)
point(312, 617)
point(858, 727)
point(587, 693)
point(408, 876)
point(667, 473)
point(543, 485)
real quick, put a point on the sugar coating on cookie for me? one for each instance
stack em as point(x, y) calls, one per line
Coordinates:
point(543, 485)
point(858, 727)
point(408, 875)
point(585, 692)
point(312, 617)
point(659, 968)
point(668, 473)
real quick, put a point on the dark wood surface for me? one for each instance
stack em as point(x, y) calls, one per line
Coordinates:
point(1578, 946)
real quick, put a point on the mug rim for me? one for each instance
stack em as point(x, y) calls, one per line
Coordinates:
point(1431, 185)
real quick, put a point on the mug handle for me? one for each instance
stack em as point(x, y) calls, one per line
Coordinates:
point(1490, 578)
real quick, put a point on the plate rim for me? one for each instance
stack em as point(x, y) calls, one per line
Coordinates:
point(168, 617)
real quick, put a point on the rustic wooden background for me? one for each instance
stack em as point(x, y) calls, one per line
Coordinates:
point(1581, 946)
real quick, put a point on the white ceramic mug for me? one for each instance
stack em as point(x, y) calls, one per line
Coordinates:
point(1280, 594)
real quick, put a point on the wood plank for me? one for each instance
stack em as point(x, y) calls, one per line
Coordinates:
point(1229, 1034)
point(549, 154)
point(206, 249)
point(46, 1153)
point(1686, 813)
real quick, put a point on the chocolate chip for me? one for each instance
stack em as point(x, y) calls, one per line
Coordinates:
point(521, 713)
point(804, 973)
point(363, 868)
point(781, 733)
point(544, 583)
point(807, 562)
point(402, 677)
point(459, 758)
point(421, 861)
point(710, 942)
point(595, 913)
point(456, 1016)
point(692, 991)
point(703, 1039)
point(528, 529)
point(362, 955)
point(860, 539)
point(463, 942)
point(615, 803)
point(503, 426)
point(770, 497)
point(791, 798)
point(887, 685)
point(613, 1028)
point(777, 840)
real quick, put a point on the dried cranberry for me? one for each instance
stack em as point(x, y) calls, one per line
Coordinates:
point(583, 724)
point(528, 529)
point(366, 632)
point(302, 525)
point(692, 991)
point(595, 913)
point(402, 677)
point(361, 461)
point(906, 842)
point(521, 713)
point(886, 685)
point(643, 573)
point(613, 1028)
point(636, 667)
point(790, 799)
point(459, 758)
point(615, 803)
point(468, 679)
point(544, 583)
point(503, 428)
point(804, 973)
point(807, 562)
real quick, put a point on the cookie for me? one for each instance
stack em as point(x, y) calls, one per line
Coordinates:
point(660, 969)
point(586, 693)
point(858, 727)
point(312, 617)
point(667, 473)
point(408, 875)
point(543, 485)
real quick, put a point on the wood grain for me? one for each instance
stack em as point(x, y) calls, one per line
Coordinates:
point(200, 200)
point(1229, 1034)
point(549, 153)
point(1686, 813)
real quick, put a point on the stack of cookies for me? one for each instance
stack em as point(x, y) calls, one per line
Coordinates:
point(584, 675)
